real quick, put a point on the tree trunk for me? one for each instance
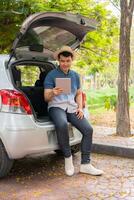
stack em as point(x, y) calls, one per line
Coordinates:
point(94, 81)
point(122, 115)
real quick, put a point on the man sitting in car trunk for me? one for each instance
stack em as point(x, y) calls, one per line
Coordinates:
point(64, 108)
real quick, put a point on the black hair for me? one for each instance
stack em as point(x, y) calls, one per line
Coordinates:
point(65, 54)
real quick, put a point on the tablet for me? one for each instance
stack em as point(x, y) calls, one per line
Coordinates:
point(65, 84)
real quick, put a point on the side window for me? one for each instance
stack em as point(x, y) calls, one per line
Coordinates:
point(29, 74)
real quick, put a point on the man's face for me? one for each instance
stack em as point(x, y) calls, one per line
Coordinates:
point(65, 63)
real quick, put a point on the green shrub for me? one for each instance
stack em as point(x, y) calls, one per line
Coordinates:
point(110, 102)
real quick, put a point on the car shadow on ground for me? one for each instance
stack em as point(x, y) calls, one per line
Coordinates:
point(45, 164)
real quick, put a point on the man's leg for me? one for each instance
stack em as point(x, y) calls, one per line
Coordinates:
point(84, 127)
point(86, 130)
point(59, 119)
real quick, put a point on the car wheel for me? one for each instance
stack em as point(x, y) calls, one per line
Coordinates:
point(5, 162)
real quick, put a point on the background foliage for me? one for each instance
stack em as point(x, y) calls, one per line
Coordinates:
point(99, 52)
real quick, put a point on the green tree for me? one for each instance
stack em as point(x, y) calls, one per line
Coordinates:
point(12, 14)
point(100, 49)
point(122, 116)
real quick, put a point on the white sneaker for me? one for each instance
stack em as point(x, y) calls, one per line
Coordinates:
point(90, 169)
point(69, 167)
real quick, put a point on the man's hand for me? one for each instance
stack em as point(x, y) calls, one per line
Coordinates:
point(49, 94)
point(57, 91)
point(79, 113)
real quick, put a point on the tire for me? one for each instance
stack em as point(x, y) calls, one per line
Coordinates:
point(5, 162)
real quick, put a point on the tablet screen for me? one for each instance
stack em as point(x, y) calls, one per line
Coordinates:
point(65, 84)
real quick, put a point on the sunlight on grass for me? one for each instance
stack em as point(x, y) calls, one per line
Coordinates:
point(96, 99)
point(97, 110)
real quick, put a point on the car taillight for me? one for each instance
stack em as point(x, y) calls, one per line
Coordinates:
point(83, 99)
point(14, 101)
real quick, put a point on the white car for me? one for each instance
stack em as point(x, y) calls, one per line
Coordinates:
point(25, 128)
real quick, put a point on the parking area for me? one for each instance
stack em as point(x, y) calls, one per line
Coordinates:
point(44, 179)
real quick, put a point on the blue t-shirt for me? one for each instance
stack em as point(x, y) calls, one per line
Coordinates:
point(64, 101)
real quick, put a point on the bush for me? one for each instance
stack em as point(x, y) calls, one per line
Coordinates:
point(110, 102)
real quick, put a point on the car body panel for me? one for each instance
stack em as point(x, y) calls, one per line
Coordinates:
point(5, 79)
point(74, 23)
point(22, 136)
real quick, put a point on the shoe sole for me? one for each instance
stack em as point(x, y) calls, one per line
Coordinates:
point(91, 174)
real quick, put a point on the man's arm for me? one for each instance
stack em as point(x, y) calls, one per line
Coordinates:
point(78, 99)
point(50, 93)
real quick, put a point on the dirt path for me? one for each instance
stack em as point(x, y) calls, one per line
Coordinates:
point(108, 119)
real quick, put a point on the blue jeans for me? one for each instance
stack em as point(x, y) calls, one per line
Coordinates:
point(60, 119)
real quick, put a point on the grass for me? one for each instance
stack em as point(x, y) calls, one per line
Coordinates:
point(97, 96)
point(96, 99)
point(97, 111)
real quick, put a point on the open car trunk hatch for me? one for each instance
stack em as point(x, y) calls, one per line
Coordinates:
point(43, 33)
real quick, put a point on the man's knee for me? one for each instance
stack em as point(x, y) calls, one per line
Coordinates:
point(62, 126)
point(88, 131)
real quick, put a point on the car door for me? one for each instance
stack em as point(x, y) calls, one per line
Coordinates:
point(45, 32)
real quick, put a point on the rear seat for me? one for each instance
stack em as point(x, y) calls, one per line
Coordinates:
point(36, 97)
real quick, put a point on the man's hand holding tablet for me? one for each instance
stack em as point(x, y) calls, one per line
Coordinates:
point(57, 91)
point(64, 84)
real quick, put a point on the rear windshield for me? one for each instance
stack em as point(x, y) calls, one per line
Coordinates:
point(50, 37)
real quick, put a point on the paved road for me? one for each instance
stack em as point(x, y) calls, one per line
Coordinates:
point(44, 179)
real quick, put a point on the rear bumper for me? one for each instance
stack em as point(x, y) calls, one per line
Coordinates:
point(23, 137)
point(29, 142)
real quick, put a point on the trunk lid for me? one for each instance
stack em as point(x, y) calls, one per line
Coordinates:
point(43, 33)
